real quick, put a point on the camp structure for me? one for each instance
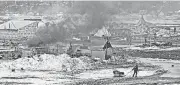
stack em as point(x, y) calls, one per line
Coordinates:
point(102, 32)
point(99, 36)
point(144, 30)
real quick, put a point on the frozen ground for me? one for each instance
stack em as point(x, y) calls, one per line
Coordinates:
point(170, 78)
point(108, 73)
point(55, 77)
point(173, 72)
point(153, 48)
point(33, 77)
point(45, 69)
point(52, 72)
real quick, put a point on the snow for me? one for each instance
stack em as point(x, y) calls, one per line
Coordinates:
point(153, 48)
point(98, 54)
point(50, 62)
point(173, 72)
point(76, 38)
point(108, 73)
point(134, 48)
point(40, 78)
point(122, 46)
point(54, 66)
point(172, 48)
point(41, 24)
point(8, 50)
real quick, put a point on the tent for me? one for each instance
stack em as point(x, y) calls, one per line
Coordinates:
point(102, 32)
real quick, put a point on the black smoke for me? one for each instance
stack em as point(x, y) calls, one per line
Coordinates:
point(98, 12)
point(51, 33)
point(93, 14)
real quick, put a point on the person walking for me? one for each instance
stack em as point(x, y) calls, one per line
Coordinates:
point(135, 70)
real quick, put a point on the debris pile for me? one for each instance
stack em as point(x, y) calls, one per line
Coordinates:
point(121, 59)
point(61, 62)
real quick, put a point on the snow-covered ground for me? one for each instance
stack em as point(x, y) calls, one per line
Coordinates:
point(167, 65)
point(153, 48)
point(34, 77)
point(42, 70)
point(54, 77)
point(50, 77)
point(52, 72)
point(133, 47)
point(108, 73)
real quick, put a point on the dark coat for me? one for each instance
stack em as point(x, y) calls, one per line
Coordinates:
point(135, 68)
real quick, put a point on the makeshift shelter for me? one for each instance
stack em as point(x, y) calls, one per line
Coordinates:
point(94, 31)
point(144, 27)
point(103, 32)
point(143, 23)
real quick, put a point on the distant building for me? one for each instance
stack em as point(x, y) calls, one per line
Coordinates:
point(28, 30)
point(18, 29)
point(123, 32)
point(142, 26)
point(8, 31)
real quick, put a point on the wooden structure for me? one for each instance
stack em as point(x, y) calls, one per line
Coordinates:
point(144, 28)
point(9, 53)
